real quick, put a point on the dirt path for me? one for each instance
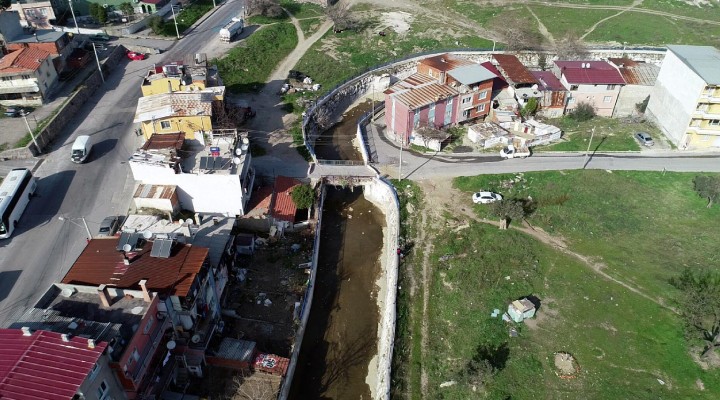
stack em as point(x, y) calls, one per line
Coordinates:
point(541, 27)
point(592, 28)
point(282, 70)
point(427, 245)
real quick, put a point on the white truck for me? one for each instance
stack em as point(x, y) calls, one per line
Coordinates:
point(231, 29)
point(514, 151)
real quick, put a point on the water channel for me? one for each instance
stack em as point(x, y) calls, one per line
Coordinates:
point(341, 335)
point(336, 143)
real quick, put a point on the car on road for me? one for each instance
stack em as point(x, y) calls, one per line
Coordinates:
point(13, 112)
point(109, 226)
point(486, 197)
point(645, 139)
point(136, 56)
point(100, 37)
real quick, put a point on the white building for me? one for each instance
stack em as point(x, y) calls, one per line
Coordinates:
point(685, 101)
point(215, 179)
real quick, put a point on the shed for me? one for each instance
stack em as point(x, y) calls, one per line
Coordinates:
point(160, 197)
point(488, 135)
point(521, 309)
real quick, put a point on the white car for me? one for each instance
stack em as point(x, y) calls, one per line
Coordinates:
point(486, 197)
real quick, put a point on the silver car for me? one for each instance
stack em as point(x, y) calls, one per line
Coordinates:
point(644, 139)
point(108, 226)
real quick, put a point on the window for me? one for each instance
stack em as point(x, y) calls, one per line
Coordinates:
point(135, 354)
point(466, 113)
point(607, 99)
point(430, 74)
point(482, 95)
point(148, 326)
point(25, 76)
point(571, 100)
point(102, 390)
point(94, 371)
point(481, 108)
point(448, 111)
point(431, 114)
point(714, 122)
point(467, 99)
point(574, 87)
point(611, 87)
point(416, 119)
point(7, 78)
point(165, 124)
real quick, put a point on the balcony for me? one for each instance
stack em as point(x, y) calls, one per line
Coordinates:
point(712, 97)
point(146, 356)
point(708, 113)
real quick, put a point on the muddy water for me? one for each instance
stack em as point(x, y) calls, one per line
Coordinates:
point(341, 336)
point(336, 143)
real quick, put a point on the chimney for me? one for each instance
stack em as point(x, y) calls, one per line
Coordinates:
point(169, 86)
point(146, 294)
point(104, 295)
point(91, 343)
point(65, 337)
point(26, 331)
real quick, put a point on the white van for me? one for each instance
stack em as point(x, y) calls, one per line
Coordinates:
point(81, 149)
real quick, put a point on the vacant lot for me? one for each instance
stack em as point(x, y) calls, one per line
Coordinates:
point(639, 228)
point(610, 135)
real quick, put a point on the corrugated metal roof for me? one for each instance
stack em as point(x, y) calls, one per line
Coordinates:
point(25, 60)
point(181, 104)
point(283, 206)
point(235, 349)
point(636, 73)
point(411, 81)
point(514, 70)
point(43, 366)
point(704, 60)
point(165, 141)
point(445, 62)
point(471, 74)
point(598, 73)
point(100, 263)
point(155, 191)
point(548, 81)
point(419, 90)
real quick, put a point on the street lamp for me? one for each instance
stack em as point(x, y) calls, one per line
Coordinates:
point(98, 63)
point(89, 235)
point(73, 14)
point(24, 115)
point(172, 7)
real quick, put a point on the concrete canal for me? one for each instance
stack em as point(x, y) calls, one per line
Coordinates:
point(338, 142)
point(342, 332)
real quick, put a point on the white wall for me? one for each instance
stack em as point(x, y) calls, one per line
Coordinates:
point(674, 98)
point(630, 95)
point(203, 193)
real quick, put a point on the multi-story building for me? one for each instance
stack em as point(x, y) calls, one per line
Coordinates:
point(35, 14)
point(48, 365)
point(189, 113)
point(596, 83)
point(522, 83)
point(685, 101)
point(472, 81)
point(26, 77)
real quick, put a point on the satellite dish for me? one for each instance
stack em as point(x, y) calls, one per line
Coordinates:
point(171, 345)
point(147, 235)
point(238, 151)
point(127, 247)
point(237, 160)
point(189, 221)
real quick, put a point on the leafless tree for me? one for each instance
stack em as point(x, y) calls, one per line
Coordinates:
point(340, 15)
point(267, 8)
point(253, 386)
point(571, 47)
point(518, 34)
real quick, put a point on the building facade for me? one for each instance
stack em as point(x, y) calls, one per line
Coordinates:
point(596, 83)
point(35, 14)
point(685, 101)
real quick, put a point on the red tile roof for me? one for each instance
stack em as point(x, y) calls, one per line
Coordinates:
point(514, 70)
point(100, 263)
point(548, 81)
point(165, 141)
point(25, 60)
point(260, 200)
point(445, 62)
point(283, 206)
point(42, 366)
point(599, 73)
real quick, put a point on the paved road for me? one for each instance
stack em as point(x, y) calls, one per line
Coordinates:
point(43, 248)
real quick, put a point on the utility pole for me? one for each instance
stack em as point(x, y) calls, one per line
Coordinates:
point(400, 163)
point(86, 228)
point(175, 21)
point(98, 63)
point(32, 136)
point(73, 14)
point(587, 152)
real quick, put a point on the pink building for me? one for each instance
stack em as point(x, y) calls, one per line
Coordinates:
point(593, 82)
point(419, 101)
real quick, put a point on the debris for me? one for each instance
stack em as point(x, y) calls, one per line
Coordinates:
point(447, 384)
point(267, 303)
point(660, 381)
point(295, 247)
point(513, 332)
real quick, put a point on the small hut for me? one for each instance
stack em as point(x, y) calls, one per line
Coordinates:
point(521, 309)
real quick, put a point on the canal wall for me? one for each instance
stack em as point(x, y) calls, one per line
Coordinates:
point(382, 194)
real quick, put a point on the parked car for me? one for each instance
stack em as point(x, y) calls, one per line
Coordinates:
point(100, 37)
point(486, 197)
point(109, 226)
point(644, 139)
point(13, 112)
point(136, 56)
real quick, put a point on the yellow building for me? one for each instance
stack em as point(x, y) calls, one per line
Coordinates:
point(186, 112)
point(192, 74)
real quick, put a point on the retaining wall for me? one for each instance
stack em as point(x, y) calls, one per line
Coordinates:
point(382, 194)
point(67, 110)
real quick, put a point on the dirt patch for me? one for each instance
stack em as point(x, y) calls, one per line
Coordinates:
point(566, 365)
point(712, 361)
point(398, 21)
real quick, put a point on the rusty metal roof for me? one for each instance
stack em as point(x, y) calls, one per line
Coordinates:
point(43, 366)
point(100, 263)
point(445, 62)
point(145, 191)
point(165, 141)
point(418, 90)
point(636, 72)
point(283, 207)
point(513, 70)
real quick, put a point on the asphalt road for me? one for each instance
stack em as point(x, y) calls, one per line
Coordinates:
point(43, 248)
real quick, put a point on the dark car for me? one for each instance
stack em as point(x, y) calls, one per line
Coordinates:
point(13, 112)
point(108, 226)
point(100, 37)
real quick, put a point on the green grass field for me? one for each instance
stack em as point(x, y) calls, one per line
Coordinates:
point(247, 67)
point(610, 135)
point(188, 16)
point(310, 25)
point(644, 226)
point(562, 21)
point(643, 29)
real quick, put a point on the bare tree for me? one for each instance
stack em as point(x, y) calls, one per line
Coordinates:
point(253, 386)
point(571, 47)
point(267, 8)
point(340, 15)
point(518, 34)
